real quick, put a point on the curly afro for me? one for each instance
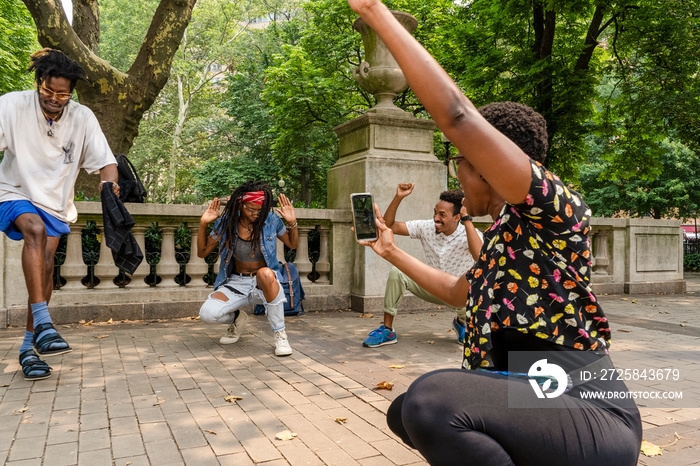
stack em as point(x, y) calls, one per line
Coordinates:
point(521, 124)
point(56, 64)
point(454, 197)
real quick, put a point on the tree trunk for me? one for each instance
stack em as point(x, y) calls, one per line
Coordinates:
point(183, 111)
point(544, 23)
point(118, 99)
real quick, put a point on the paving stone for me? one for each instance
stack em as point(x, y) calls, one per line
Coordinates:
point(95, 457)
point(127, 445)
point(62, 454)
point(163, 452)
point(201, 456)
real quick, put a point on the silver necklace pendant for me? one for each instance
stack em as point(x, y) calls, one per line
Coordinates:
point(49, 133)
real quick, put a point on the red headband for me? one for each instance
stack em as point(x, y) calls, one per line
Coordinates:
point(256, 197)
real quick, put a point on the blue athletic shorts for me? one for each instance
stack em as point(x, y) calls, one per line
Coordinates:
point(10, 210)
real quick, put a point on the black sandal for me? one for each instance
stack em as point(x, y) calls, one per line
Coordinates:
point(43, 344)
point(30, 362)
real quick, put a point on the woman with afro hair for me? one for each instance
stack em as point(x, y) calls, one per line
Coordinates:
point(246, 233)
point(534, 328)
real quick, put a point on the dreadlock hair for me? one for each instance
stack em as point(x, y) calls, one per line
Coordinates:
point(232, 214)
point(521, 124)
point(454, 197)
point(54, 63)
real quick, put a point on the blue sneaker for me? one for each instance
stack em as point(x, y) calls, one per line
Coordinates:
point(380, 337)
point(461, 329)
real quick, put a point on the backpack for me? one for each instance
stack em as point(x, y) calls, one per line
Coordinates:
point(130, 187)
point(291, 284)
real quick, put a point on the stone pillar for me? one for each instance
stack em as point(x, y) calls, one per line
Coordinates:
point(168, 268)
point(138, 279)
point(196, 267)
point(105, 269)
point(323, 266)
point(378, 150)
point(74, 269)
point(302, 261)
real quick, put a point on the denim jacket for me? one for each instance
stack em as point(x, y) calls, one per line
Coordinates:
point(272, 229)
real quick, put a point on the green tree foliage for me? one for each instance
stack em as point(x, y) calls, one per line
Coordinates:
point(674, 192)
point(17, 42)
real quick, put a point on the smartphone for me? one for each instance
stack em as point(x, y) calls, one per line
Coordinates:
point(363, 216)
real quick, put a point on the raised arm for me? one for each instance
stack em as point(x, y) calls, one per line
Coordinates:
point(500, 161)
point(286, 210)
point(205, 243)
point(473, 239)
point(399, 228)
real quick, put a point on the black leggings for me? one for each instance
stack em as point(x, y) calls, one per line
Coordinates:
point(460, 417)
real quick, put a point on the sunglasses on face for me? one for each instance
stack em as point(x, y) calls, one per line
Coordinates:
point(251, 211)
point(59, 96)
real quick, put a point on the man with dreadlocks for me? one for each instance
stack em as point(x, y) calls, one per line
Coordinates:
point(47, 138)
point(246, 234)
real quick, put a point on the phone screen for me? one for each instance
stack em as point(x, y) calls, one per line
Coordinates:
point(363, 216)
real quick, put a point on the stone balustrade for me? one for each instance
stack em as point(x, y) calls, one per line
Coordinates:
point(153, 291)
point(629, 256)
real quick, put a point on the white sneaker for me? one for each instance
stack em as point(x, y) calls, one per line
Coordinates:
point(233, 334)
point(282, 347)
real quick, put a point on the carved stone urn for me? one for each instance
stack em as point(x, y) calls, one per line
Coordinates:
point(379, 74)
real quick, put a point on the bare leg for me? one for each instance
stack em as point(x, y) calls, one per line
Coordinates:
point(37, 260)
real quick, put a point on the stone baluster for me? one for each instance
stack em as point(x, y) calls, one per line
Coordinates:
point(323, 266)
point(302, 261)
point(138, 279)
point(600, 252)
point(105, 269)
point(74, 268)
point(196, 267)
point(168, 268)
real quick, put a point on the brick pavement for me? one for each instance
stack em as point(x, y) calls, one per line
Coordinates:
point(153, 393)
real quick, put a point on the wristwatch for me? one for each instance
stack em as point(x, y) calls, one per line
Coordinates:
point(466, 218)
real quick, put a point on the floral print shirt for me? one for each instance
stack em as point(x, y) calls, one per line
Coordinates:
point(533, 274)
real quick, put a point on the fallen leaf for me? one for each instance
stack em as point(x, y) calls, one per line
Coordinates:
point(101, 336)
point(430, 342)
point(682, 325)
point(634, 301)
point(396, 366)
point(159, 401)
point(20, 410)
point(433, 315)
point(110, 321)
point(285, 435)
point(210, 432)
point(624, 299)
point(365, 316)
point(341, 420)
point(232, 398)
point(5, 385)
point(26, 422)
point(649, 449)
point(88, 323)
point(385, 385)
point(623, 330)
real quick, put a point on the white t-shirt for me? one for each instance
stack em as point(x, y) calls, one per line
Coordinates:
point(41, 168)
point(447, 253)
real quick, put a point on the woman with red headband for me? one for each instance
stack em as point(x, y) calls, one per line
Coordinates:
point(246, 234)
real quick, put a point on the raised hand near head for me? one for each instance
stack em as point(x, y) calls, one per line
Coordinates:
point(404, 189)
point(212, 212)
point(286, 209)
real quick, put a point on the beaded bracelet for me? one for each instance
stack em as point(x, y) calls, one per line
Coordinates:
point(293, 226)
